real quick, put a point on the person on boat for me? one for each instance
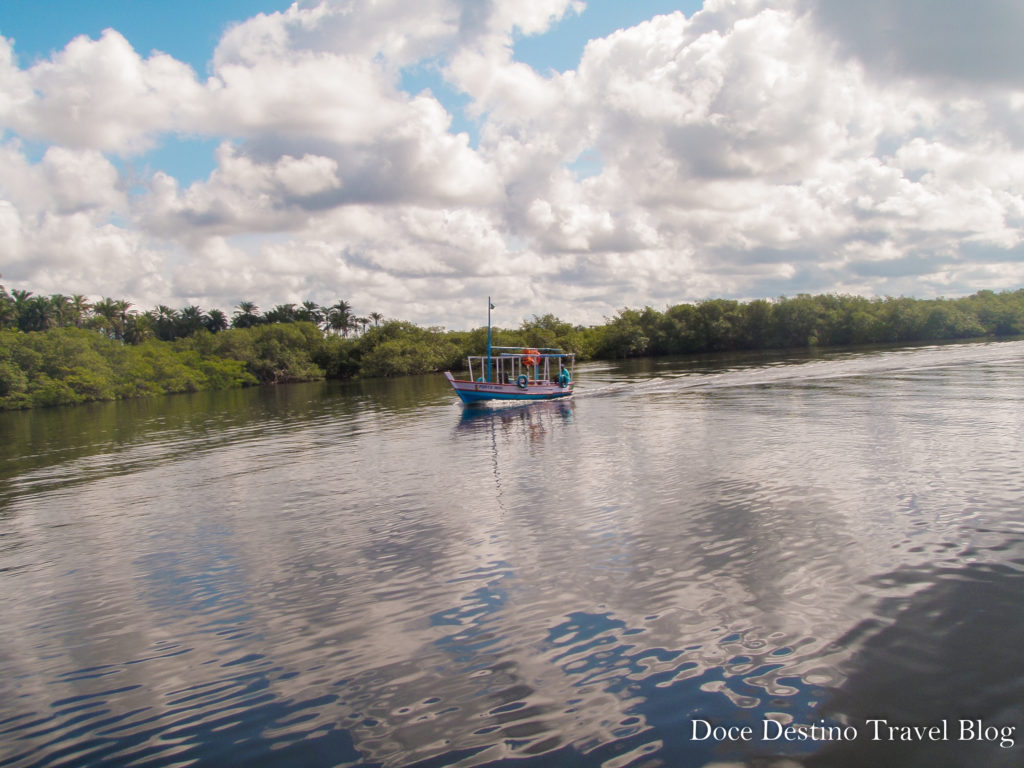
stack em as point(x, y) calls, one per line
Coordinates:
point(564, 377)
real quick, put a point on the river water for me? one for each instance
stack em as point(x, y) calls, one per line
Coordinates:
point(368, 574)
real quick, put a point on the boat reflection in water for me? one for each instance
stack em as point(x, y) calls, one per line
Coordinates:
point(530, 416)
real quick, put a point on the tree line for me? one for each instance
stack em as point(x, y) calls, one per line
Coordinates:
point(24, 311)
point(61, 349)
point(827, 320)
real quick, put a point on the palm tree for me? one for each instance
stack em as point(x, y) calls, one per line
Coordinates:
point(80, 308)
point(362, 322)
point(139, 328)
point(104, 308)
point(111, 315)
point(165, 322)
point(106, 315)
point(8, 312)
point(190, 320)
point(62, 309)
point(311, 312)
point(376, 317)
point(21, 299)
point(39, 314)
point(282, 313)
point(216, 321)
point(339, 317)
point(122, 305)
point(245, 315)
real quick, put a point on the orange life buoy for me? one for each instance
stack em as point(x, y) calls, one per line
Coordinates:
point(531, 357)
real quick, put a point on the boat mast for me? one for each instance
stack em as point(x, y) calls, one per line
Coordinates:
point(489, 308)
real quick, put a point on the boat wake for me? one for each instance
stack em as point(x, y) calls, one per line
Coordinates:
point(678, 376)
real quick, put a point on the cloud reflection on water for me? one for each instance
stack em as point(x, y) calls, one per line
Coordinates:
point(574, 582)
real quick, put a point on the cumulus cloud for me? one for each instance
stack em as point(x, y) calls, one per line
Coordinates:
point(753, 149)
point(58, 225)
point(943, 40)
point(764, 160)
point(100, 94)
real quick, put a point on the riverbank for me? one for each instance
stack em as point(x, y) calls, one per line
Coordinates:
point(70, 365)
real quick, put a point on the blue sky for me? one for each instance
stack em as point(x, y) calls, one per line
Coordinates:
point(560, 48)
point(187, 30)
point(739, 150)
point(190, 31)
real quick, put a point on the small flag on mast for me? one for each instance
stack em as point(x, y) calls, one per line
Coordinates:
point(491, 305)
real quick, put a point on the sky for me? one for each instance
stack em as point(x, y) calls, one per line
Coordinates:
point(560, 156)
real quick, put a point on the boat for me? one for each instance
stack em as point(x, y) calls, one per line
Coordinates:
point(515, 373)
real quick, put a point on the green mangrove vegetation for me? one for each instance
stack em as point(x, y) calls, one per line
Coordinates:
point(57, 350)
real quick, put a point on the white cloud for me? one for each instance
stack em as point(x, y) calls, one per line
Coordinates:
point(81, 181)
point(942, 41)
point(747, 137)
point(753, 149)
point(100, 94)
point(308, 175)
point(57, 230)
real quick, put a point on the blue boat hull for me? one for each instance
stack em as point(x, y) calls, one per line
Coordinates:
point(479, 392)
point(479, 397)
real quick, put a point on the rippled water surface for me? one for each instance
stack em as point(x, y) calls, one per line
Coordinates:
point(368, 574)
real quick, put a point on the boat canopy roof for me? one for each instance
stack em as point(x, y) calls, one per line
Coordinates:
point(531, 352)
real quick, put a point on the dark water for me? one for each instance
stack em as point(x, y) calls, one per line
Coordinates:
point(368, 575)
